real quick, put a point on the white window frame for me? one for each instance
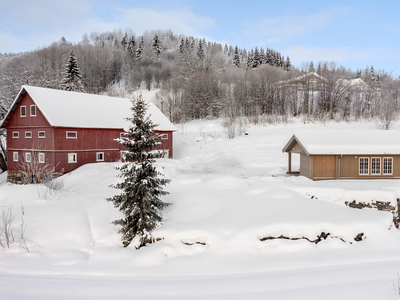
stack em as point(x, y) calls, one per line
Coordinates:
point(123, 135)
point(15, 156)
point(68, 137)
point(15, 134)
point(372, 166)
point(163, 136)
point(391, 165)
point(44, 134)
point(28, 134)
point(30, 111)
point(22, 108)
point(359, 165)
point(72, 158)
point(28, 157)
point(41, 158)
point(97, 156)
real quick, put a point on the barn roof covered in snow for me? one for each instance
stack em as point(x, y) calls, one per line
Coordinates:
point(80, 110)
point(350, 142)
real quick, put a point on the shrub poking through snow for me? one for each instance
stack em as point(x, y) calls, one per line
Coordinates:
point(142, 184)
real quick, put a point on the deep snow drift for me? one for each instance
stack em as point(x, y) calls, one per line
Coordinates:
point(227, 195)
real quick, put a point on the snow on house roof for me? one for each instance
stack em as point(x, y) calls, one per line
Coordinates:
point(302, 77)
point(351, 142)
point(73, 109)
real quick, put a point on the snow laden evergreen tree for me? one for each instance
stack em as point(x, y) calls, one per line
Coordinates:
point(142, 184)
point(72, 80)
point(156, 45)
point(131, 47)
point(139, 50)
point(236, 58)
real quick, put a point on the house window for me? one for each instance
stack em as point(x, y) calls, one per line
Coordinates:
point(15, 156)
point(375, 166)
point(23, 111)
point(42, 134)
point(387, 166)
point(33, 110)
point(123, 135)
point(41, 158)
point(100, 156)
point(15, 134)
point(163, 136)
point(28, 157)
point(72, 158)
point(72, 135)
point(364, 166)
point(28, 134)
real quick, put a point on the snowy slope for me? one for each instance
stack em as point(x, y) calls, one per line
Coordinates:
point(226, 194)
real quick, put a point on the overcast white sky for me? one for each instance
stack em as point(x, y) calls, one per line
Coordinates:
point(354, 33)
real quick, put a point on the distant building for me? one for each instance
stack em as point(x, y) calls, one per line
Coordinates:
point(346, 154)
point(309, 81)
point(59, 131)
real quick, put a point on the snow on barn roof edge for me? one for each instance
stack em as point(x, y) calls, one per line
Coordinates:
point(347, 142)
point(86, 110)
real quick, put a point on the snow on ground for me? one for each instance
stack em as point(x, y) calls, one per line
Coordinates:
point(226, 195)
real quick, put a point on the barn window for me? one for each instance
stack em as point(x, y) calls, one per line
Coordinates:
point(375, 166)
point(387, 166)
point(163, 136)
point(33, 110)
point(15, 134)
point(72, 158)
point(15, 156)
point(41, 158)
point(364, 166)
point(28, 157)
point(23, 111)
point(42, 134)
point(100, 156)
point(72, 135)
point(28, 134)
point(123, 135)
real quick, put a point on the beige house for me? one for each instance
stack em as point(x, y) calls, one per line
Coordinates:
point(308, 81)
point(346, 154)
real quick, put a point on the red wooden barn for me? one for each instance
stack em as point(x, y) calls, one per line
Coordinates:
point(62, 130)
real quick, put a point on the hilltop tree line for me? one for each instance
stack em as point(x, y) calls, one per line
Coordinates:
point(201, 79)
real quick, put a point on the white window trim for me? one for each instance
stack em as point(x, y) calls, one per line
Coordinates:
point(359, 169)
point(28, 132)
point(26, 157)
point(15, 156)
point(380, 166)
point(123, 135)
point(41, 161)
point(20, 111)
point(30, 111)
point(76, 134)
point(15, 134)
point(102, 154)
point(70, 160)
point(383, 169)
point(42, 137)
point(163, 136)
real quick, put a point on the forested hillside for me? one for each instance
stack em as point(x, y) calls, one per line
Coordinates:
point(202, 79)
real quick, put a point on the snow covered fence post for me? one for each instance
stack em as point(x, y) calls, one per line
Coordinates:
point(142, 187)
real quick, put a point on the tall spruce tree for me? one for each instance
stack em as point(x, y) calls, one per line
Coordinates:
point(156, 45)
point(72, 80)
point(236, 58)
point(139, 50)
point(142, 187)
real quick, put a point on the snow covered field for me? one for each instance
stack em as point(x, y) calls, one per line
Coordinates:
point(226, 195)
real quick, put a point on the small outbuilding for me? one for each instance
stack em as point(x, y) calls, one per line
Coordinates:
point(346, 154)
